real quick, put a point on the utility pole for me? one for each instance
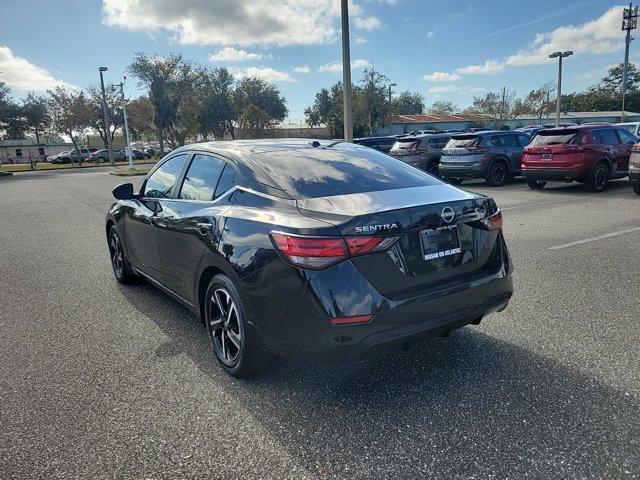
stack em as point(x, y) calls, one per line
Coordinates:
point(346, 74)
point(546, 107)
point(559, 56)
point(629, 22)
point(126, 123)
point(107, 129)
point(390, 85)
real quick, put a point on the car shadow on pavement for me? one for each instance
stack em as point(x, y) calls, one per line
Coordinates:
point(470, 405)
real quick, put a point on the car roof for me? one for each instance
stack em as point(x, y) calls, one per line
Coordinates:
point(251, 157)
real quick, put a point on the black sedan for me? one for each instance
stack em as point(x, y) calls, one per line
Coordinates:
point(327, 250)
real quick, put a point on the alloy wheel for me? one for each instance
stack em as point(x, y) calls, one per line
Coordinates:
point(225, 326)
point(117, 255)
point(499, 174)
point(601, 177)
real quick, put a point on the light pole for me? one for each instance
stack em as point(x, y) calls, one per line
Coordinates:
point(559, 56)
point(390, 85)
point(346, 74)
point(126, 123)
point(629, 22)
point(107, 132)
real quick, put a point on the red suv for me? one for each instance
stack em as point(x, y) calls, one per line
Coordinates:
point(590, 154)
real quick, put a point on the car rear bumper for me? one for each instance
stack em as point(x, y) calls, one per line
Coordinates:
point(551, 175)
point(463, 171)
point(295, 319)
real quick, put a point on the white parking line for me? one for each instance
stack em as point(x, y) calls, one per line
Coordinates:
point(594, 239)
point(542, 203)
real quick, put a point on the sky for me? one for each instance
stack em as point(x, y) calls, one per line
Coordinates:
point(443, 49)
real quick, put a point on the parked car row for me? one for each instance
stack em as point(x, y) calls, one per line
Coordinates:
point(95, 155)
point(591, 154)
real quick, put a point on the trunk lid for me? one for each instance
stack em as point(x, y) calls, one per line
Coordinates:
point(556, 148)
point(431, 252)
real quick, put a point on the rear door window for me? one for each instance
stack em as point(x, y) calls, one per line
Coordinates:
point(509, 141)
point(201, 178)
point(524, 140)
point(608, 136)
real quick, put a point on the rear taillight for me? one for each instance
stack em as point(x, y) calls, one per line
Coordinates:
point(413, 150)
point(316, 253)
point(494, 222)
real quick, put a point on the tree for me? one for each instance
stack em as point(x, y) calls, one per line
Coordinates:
point(497, 106)
point(114, 111)
point(258, 106)
point(214, 90)
point(11, 118)
point(407, 103)
point(166, 79)
point(370, 101)
point(442, 107)
point(537, 102)
point(35, 111)
point(140, 116)
point(327, 110)
point(71, 114)
point(613, 80)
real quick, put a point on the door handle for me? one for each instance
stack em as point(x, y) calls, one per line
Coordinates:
point(204, 227)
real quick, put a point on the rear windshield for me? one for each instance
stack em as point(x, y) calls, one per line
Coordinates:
point(338, 171)
point(554, 138)
point(465, 141)
point(405, 143)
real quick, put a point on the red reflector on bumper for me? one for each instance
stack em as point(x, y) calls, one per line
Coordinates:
point(351, 320)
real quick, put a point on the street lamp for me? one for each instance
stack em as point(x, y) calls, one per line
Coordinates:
point(105, 115)
point(346, 74)
point(390, 85)
point(559, 56)
point(126, 122)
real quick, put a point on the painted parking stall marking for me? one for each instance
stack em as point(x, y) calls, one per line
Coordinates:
point(595, 239)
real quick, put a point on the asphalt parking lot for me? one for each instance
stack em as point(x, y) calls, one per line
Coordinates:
point(98, 380)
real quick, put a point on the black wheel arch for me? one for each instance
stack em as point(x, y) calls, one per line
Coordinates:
point(501, 159)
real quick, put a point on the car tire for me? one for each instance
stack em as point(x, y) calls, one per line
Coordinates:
point(434, 169)
point(536, 184)
point(598, 178)
point(497, 174)
point(121, 268)
point(235, 342)
point(636, 188)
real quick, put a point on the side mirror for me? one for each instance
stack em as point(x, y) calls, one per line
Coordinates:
point(124, 192)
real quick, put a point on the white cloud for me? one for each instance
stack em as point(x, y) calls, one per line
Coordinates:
point(437, 90)
point(336, 67)
point(230, 54)
point(302, 69)
point(20, 74)
point(361, 41)
point(430, 33)
point(367, 23)
point(266, 73)
point(487, 68)
point(441, 77)
point(220, 22)
point(599, 36)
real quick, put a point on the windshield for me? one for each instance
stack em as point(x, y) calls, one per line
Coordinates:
point(554, 138)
